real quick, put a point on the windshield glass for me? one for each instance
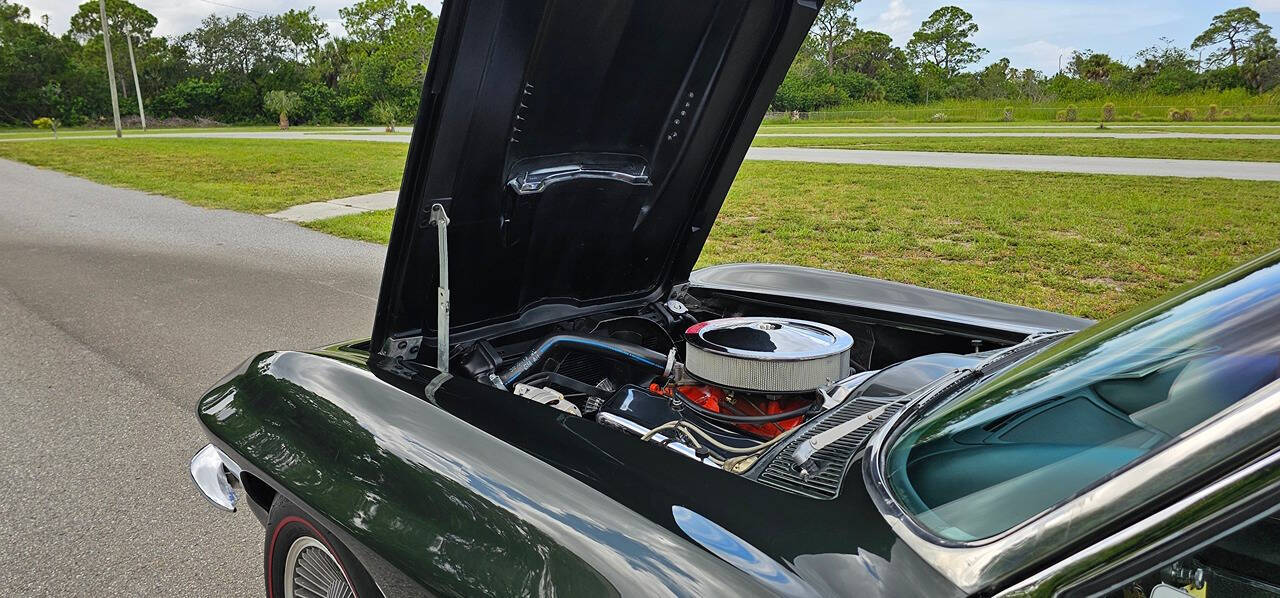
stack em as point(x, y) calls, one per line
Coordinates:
point(1046, 429)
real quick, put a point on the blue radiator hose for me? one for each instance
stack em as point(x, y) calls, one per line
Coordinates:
point(601, 346)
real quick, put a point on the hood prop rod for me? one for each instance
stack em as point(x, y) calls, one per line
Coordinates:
point(441, 220)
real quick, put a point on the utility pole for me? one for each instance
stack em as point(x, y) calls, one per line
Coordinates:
point(111, 69)
point(128, 37)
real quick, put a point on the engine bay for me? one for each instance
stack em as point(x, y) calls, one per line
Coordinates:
point(719, 383)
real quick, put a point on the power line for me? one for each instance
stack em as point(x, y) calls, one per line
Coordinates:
point(261, 12)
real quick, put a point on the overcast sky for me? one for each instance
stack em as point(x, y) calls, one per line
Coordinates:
point(1031, 33)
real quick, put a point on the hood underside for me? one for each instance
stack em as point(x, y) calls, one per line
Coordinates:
point(581, 149)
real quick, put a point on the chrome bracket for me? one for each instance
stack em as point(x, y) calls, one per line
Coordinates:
point(441, 220)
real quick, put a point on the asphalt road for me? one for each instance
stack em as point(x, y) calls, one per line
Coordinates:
point(1034, 134)
point(1249, 171)
point(117, 310)
point(1245, 171)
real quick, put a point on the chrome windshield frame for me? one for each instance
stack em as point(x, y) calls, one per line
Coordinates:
point(1247, 427)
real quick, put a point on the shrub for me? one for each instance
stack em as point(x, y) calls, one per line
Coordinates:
point(805, 95)
point(1176, 115)
point(1212, 113)
point(281, 102)
point(1138, 115)
point(1108, 112)
point(1228, 113)
point(1061, 116)
point(189, 98)
point(858, 87)
point(1188, 114)
point(1073, 113)
point(939, 117)
point(1008, 114)
point(45, 122)
point(384, 112)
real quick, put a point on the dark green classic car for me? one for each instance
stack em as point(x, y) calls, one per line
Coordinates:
point(554, 403)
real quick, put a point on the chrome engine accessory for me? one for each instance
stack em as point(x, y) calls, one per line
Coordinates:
point(547, 396)
point(767, 355)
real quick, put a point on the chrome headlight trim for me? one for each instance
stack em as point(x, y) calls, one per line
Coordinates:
point(217, 477)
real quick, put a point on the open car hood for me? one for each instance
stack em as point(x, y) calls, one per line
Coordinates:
point(581, 149)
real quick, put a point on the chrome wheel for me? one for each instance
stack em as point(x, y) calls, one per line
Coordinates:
point(310, 571)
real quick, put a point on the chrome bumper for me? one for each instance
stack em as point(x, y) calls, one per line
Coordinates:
point(217, 476)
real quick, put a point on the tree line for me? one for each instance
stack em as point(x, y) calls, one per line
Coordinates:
point(842, 64)
point(256, 69)
point(225, 70)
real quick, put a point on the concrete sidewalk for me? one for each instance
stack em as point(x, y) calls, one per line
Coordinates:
point(320, 210)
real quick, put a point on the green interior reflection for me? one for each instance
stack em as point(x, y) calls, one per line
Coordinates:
point(1055, 425)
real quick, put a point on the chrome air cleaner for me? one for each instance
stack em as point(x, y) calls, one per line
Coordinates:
point(767, 355)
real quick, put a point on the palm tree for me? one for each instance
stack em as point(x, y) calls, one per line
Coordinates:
point(384, 112)
point(282, 102)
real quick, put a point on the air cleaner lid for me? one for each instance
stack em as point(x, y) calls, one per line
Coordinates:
point(764, 338)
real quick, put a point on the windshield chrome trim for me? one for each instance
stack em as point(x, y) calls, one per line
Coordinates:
point(974, 566)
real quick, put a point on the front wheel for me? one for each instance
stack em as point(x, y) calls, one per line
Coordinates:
point(302, 560)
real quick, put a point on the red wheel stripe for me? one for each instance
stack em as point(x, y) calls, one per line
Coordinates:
point(271, 552)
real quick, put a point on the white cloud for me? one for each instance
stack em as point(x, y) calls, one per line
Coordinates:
point(896, 21)
point(1040, 55)
point(178, 17)
point(1266, 5)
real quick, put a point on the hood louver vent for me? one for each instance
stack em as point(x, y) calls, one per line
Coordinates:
point(834, 459)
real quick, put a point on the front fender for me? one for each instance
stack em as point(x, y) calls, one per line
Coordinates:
point(430, 503)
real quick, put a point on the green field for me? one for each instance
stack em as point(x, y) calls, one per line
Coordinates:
point(1200, 128)
point(248, 175)
point(1233, 105)
point(29, 132)
point(1082, 244)
point(1249, 150)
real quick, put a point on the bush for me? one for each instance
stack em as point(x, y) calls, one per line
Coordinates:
point(1008, 114)
point(858, 87)
point(281, 102)
point(1061, 116)
point(797, 93)
point(1212, 113)
point(384, 113)
point(1138, 115)
point(1228, 113)
point(189, 98)
point(939, 117)
point(319, 105)
point(1073, 113)
point(45, 122)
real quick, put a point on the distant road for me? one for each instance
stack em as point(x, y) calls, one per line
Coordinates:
point(1048, 134)
point(118, 309)
point(1250, 171)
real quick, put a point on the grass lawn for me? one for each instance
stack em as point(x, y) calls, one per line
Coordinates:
point(1081, 244)
point(24, 132)
point(1251, 150)
point(1072, 128)
point(247, 175)
point(374, 227)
